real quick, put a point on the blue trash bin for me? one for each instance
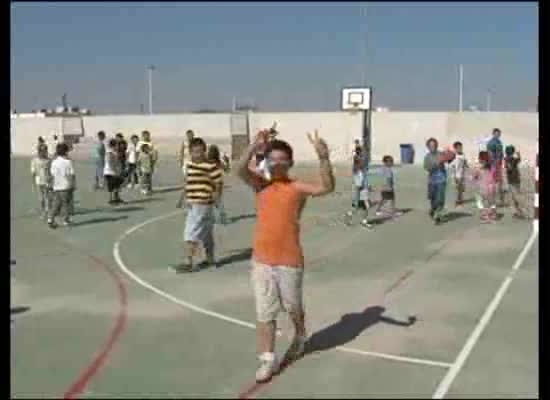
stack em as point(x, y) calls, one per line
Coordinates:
point(407, 153)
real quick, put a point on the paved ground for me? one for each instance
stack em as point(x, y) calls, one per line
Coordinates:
point(97, 313)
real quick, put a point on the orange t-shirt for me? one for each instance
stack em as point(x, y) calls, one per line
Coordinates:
point(277, 232)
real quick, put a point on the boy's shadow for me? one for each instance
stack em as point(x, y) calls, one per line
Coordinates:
point(232, 220)
point(349, 327)
point(385, 218)
point(237, 256)
point(454, 215)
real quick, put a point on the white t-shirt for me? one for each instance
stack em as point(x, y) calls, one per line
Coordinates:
point(112, 164)
point(132, 153)
point(63, 175)
point(52, 148)
point(40, 168)
point(458, 166)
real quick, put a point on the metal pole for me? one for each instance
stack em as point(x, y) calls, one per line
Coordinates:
point(151, 68)
point(460, 86)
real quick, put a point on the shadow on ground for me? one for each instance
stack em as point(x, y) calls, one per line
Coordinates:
point(232, 220)
point(99, 220)
point(19, 310)
point(454, 215)
point(384, 219)
point(237, 256)
point(144, 200)
point(349, 327)
point(168, 189)
point(86, 211)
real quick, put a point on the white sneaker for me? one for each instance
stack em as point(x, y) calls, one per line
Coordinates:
point(379, 213)
point(269, 365)
point(365, 224)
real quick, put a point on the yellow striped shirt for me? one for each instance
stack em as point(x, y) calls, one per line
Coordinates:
point(201, 181)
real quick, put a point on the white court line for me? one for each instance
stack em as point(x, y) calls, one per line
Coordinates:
point(200, 310)
point(448, 379)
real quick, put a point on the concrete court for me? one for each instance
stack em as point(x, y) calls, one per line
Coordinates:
point(80, 322)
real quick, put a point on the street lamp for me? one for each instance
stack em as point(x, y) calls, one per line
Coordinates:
point(151, 68)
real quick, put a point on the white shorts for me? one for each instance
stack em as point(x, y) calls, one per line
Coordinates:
point(276, 288)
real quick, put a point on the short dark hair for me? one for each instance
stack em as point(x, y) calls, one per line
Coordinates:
point(456, 144)
point(197, 142)
point(40, 139)
point(279, 145)
point(213, 153)
point(189, 132)
point(144, 147)
point(62, 149)
point(42, 148)
point(496, 130)
point(510, 150)
point(387, 159)
point(119, 135)
point(112, 143)
point(145, 133)
point(134, 137)
point(101, 134)
point(431, 140)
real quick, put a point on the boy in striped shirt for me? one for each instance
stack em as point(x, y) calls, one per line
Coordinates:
point(204, 180)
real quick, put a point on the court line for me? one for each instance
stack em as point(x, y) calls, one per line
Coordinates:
point(200, 310)
point(460, 360)
point(79, 384)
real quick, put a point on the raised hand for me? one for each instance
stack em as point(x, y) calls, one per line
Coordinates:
point(319, 145)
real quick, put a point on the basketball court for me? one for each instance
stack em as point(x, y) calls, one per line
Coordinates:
point(406, 310)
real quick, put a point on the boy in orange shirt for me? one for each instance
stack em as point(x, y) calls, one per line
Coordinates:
point(277, 256)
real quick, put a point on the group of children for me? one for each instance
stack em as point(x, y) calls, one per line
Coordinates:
point(486, 176)
point(118, 162)
point(54, 181)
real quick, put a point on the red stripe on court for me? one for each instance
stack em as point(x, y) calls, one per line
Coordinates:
point(78, 386)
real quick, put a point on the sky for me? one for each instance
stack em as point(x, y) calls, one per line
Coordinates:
point(279, 56)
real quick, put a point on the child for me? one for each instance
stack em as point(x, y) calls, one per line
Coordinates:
point(146, 162)
point(40, 170)
point(511, 162)
point(132, 158)
point(437, 180)
point(63, 184)
point(359, 194)
point(203, 187)
point(387, 192)
point(113, 172)
point(214, 157)
point(487, 185)
point(458, 171)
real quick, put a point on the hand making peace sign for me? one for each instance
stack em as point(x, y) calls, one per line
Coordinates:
point(319, 145)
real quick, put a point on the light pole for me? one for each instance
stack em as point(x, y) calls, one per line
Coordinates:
point(460, 86)
point(151, 68)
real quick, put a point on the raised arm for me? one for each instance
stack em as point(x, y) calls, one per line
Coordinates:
point(327, 181)
point(243, 170)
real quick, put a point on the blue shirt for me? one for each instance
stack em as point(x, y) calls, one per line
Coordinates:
point(436, 171)
point(494, 146)
point(98, 151)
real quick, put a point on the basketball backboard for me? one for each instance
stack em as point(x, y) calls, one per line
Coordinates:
point(354, 99)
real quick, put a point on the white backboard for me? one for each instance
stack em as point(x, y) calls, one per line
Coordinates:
point(356, 99)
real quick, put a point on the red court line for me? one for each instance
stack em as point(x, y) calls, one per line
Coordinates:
point(78, 386)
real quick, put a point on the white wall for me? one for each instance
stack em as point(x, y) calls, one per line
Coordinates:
point(25, 133)
point(339, 129)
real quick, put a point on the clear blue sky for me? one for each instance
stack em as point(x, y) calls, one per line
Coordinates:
point(285, 56)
